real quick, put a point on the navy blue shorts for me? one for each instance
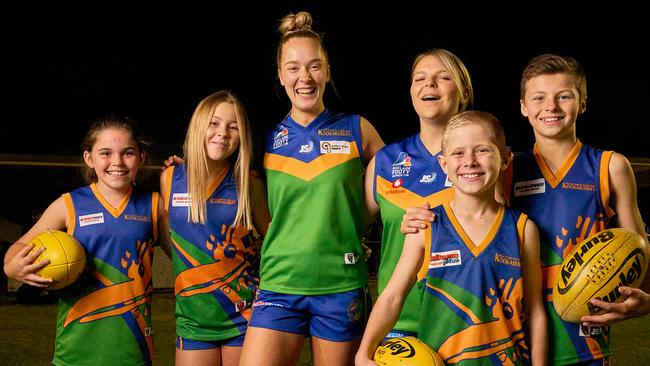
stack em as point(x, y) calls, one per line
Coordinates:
point(339, 317)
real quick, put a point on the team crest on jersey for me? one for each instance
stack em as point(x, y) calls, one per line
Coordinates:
point(335, 147)
point(428, 178)
point(307, 148)
point(445, 259)
point(350, 258)
point(181, 200)
point(402, 165)
point(527, 188)
point(91, 219)
point(281, 138)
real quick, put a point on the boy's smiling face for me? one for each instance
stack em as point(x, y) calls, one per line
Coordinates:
point(552, 104)
point(472, 159)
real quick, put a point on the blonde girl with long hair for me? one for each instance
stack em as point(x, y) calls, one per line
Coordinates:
point(213, 206)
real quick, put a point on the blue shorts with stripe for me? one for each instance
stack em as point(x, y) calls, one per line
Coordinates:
point(339, 317)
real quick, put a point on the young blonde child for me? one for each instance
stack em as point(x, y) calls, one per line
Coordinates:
point(212, 206)
point(482, 298)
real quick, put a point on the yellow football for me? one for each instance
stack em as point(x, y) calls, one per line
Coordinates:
point(406, 351)
point(595, 269)
point(66, 255)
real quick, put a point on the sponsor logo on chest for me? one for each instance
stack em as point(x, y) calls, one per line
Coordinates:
point(507, 260)
point(428, 178)
point(181, 200)
point(579, 186)
point(334, 132)
point(335, 147)
point(307, 148)
point(221, 201)
point(445, 259)
point(91, 219)
point(140, 218)
point(527, 188)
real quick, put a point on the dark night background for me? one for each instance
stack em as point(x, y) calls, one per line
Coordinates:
point(64, 67)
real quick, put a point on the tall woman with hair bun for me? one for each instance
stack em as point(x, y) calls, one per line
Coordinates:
point(313, 276)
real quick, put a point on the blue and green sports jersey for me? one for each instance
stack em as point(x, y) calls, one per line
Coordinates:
point(315, 187)
point(567, 207)
point(406, 175)
point(472, 306)
point(215, 264)
point(105, 316)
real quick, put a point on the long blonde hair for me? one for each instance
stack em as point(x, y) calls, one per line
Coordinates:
point(196, 159)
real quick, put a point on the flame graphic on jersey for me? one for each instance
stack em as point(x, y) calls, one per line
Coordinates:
point(120, 298)
point(496, 336)
point(584, 229)
point(566, 241)
point(231, 271)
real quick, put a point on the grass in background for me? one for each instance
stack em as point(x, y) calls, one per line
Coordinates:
point(27, 335)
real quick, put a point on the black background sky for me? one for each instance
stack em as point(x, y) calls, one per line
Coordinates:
point(66, 66)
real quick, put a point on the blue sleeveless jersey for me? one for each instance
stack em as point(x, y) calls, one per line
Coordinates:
point(315, 186)
point(472, 306)
point(214, 263)
point(406, 175)
point(568, 207)
point(105, 316)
